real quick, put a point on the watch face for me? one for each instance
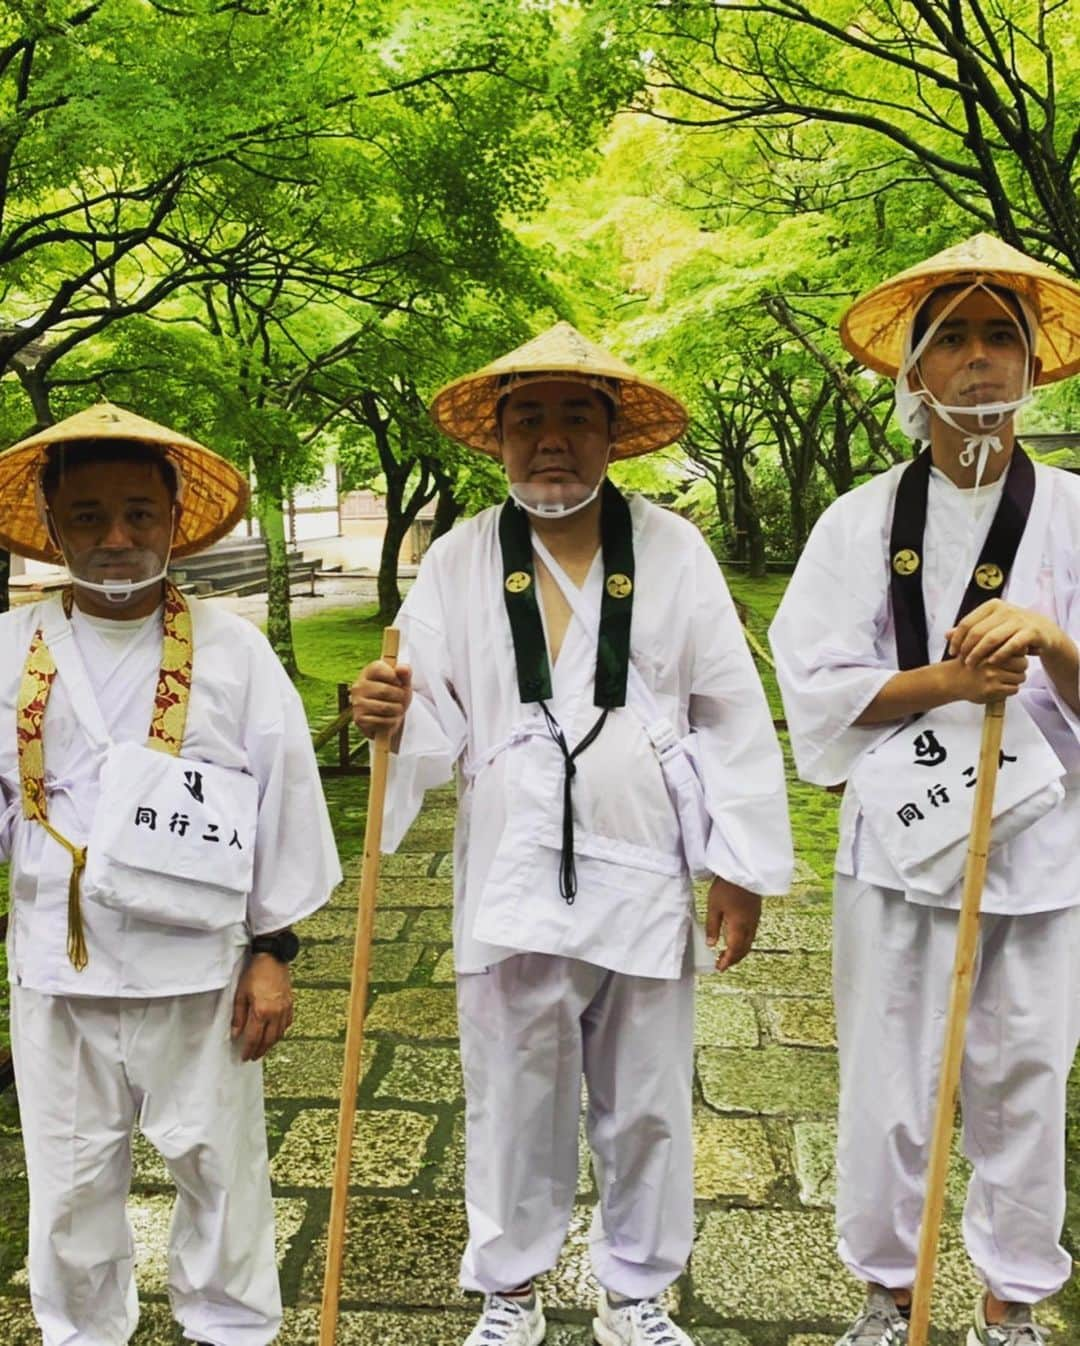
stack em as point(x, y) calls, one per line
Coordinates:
point(288, 945)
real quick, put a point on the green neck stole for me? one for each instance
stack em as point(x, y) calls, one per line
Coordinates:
point(530, 645)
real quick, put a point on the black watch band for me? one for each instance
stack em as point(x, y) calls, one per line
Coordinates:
point(284, 945)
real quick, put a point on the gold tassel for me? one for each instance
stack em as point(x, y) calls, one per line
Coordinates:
point(76, 946)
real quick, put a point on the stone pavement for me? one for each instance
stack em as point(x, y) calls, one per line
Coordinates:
point(763, 1272)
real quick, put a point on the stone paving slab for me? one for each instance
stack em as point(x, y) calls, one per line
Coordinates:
point(799, 1022)
point(423, 1075)
point(801, 974)
point(414, 890)
point(722, 1019)
point(388, 1149)
point(732, 1159)
point(333, 962)
point(425, 1013)
point(774, 1081)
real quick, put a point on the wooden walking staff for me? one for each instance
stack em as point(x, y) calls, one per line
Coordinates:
point(354, 1036)
point(967, 938)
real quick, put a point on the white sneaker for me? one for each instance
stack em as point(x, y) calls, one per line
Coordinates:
point(640, 1323)
point(880, 1323)
point(508, 1322)
point(1018, 1329)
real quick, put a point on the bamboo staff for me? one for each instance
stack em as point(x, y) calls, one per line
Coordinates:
point(354, 1036)
point(967, 937)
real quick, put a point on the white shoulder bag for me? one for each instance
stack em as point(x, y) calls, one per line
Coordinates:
point(172, 840)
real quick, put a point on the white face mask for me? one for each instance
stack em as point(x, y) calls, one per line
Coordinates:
point(147, 569)
point(914, 405)
point(535, 500)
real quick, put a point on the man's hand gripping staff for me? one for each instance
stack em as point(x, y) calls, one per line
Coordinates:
point(379, 697)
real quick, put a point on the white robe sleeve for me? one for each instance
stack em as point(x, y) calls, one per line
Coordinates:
point(433, 736)
point(826, 638)
point(734, 746)
point(1058, 721)
point(296, 861)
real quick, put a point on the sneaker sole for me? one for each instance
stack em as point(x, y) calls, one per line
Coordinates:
point(972, 1339)
point(603, 1336)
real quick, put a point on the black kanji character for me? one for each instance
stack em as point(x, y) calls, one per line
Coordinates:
point(928, 751)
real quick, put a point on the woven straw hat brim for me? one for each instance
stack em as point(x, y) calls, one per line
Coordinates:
point(214, 494)
point(649, 418)
point(874, 327)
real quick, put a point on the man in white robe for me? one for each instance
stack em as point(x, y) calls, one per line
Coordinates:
point(572, 923)
point(119, 1019)
point(966, 335)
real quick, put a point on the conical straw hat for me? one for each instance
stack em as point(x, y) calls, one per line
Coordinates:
point(874, 327)
point(214, 494)
point(648, 417)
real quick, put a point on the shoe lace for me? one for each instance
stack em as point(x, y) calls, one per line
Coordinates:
point(500, 1318)
point(655, 1324)
point(1017, 1334)
point(875, 1326)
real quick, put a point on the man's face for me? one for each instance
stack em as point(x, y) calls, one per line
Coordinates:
point(977, 355)
point(555, 439)
point(114, 520)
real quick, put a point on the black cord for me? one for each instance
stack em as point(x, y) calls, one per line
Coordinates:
point(567, 867)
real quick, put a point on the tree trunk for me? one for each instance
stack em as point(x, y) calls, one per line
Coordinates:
point(447, 511)
point(748, 531)
point(278, 616)
point(799, 528)
point(755, 539)
point(397, 526)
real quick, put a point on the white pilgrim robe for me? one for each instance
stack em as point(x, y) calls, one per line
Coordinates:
point(633, 910)
point(142, 1033)
point(834, 642)
point(243, 713)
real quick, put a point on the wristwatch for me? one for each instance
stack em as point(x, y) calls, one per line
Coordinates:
point(284, 945)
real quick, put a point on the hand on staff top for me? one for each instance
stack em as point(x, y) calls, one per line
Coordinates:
point(983, 682)
point(380, 697)
point(262, 1007)
point(738, 911)
point(996, 632)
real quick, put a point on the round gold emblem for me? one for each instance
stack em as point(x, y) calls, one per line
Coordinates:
point(989, 576)
point(619, 586)
point(518, 581)
point(906, 562)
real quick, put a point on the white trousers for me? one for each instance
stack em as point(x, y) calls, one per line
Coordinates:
point(531, 1027)
point(87, 1070)
point(892, 968)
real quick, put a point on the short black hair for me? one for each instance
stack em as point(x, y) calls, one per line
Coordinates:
point(73, 453)
point(921, 321)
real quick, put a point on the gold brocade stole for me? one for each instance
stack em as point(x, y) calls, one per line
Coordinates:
point(166, 734)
